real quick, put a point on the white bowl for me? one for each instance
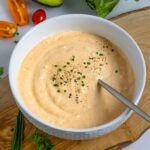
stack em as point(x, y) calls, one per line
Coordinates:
point(84, 23)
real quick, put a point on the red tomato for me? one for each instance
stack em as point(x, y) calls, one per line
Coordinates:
point(38, 16)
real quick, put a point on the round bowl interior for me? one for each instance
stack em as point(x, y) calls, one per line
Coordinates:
point(84, 23)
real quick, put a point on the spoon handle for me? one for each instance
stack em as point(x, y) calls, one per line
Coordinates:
point(124, 100)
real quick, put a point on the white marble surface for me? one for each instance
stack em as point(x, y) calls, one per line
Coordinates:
point(70, 6)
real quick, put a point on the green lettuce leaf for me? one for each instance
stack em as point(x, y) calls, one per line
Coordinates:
point(42, 143)
point(103, 7)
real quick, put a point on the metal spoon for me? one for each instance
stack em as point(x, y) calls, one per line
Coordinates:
point(124, 100)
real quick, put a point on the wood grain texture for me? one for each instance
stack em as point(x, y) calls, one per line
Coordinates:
point(138, 25)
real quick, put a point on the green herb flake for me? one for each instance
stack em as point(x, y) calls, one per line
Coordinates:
point(64, 66)
point(75, 80)
point(78, 78)
point(97, 53)
point(58, 91)
point(1, 71)
point(61, 78)
point(56, 85)
point(55, 65)
point(101, 54)
point(79, 73)
point(42, 142)
point(116, 71)
point(68, 63)
point(65, 91)
point(91, 58)
point(53, 78)
point(88, 63)
point(82, 84)
point(59, 69)
point(16, 41)
point(73, 58)
point(83, 76)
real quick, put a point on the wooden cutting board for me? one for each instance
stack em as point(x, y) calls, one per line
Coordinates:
point(138, 25)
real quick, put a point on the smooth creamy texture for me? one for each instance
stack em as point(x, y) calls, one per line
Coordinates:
point(67, 94)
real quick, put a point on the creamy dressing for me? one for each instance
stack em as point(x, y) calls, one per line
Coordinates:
point(58, 80)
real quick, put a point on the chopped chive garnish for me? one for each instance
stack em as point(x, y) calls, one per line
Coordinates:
point(16, 41)
point(116, 71)
point(96, 52)
point(56, 85)
point(88, 63)
point(59, 69)
point(83, 76)
point(55, 65)
point(53, 78)
point(18, 133)
point(83, 84)
point(79, 73)
point(65, 91)
point(101, 54)
point(68, 63)
point(91, 58)
point(73, 57)
point(78, 78)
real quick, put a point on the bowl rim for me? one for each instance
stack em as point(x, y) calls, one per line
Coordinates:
point(122, 117)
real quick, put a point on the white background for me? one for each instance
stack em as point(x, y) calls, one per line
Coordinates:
point(70, 6)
